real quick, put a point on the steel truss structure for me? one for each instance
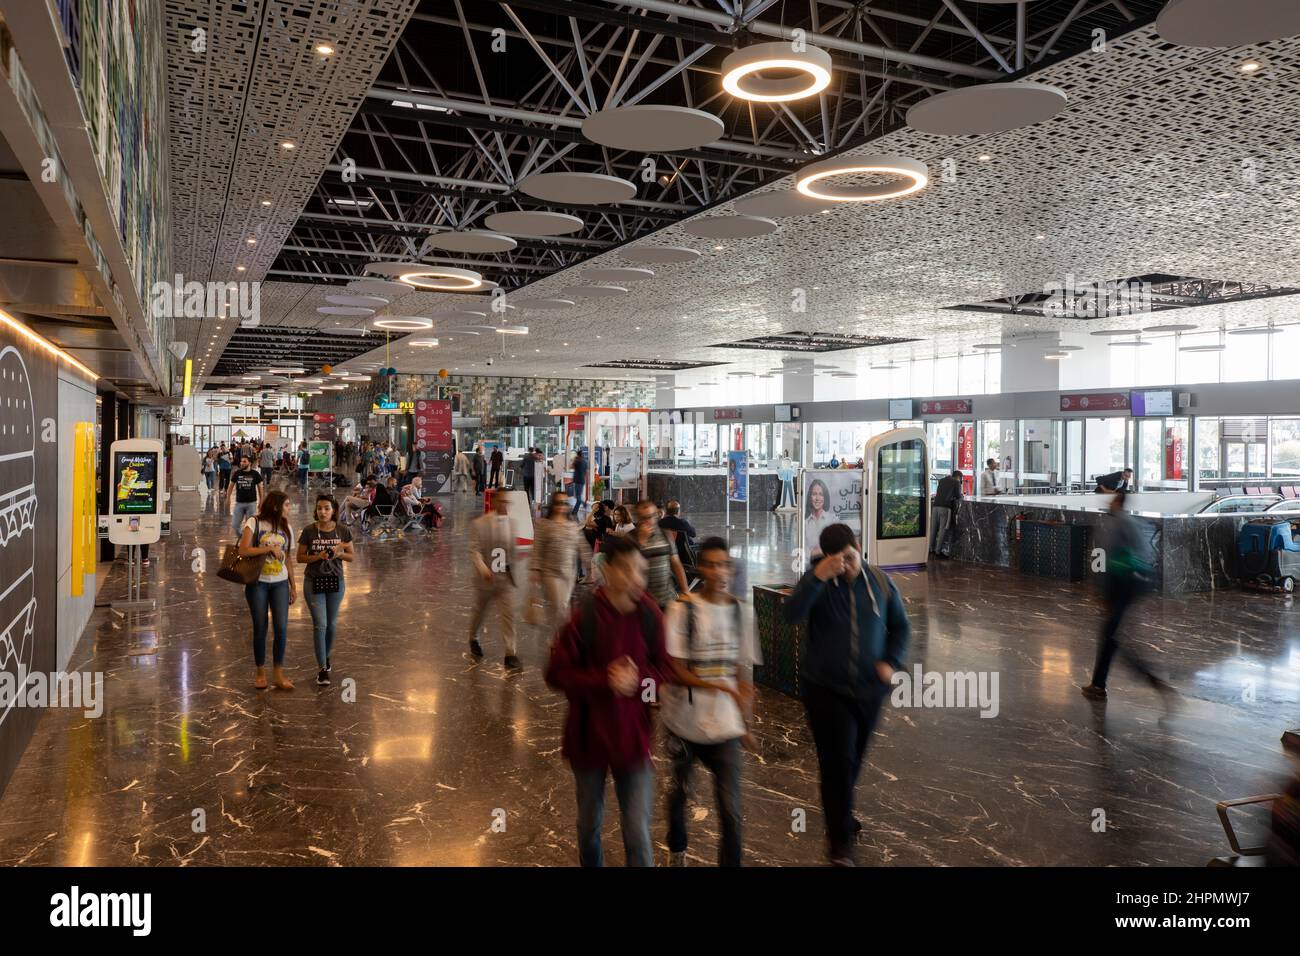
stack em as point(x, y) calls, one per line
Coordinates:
point(479, 94)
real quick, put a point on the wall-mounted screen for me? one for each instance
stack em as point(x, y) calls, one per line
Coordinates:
point(1152, 404)
point(135, 482)
point(900, 509)
point(900, 409)
point(782, 413)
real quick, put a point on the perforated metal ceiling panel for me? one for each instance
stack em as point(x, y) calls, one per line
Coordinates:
point(242, 79)
point(1166, 160)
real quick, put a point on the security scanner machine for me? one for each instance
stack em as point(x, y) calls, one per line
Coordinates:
point(896, 506)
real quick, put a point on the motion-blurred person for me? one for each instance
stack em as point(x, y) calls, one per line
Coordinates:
point(304, 463)
point(266, 462)
point(579, 481)
point(557, 549)
point(665, 576)
point(612, 643)
point(857, 635)
point(946, 498)
point(711, 642)
point(492, 553)
point(462, 473)
point(529, 466)
point(1125, 579)
point(682, 529)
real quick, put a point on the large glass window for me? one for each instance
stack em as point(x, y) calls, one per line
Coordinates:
point(1284, 441)
point(1207, 447)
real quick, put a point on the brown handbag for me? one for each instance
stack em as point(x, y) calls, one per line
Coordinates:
point(241, 570)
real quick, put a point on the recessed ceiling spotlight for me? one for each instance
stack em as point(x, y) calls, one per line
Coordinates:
point(240, 268)
point(1249, 66)
point(718, 248)
point(251, 241)
point(1040, 237)
point(288, 144)
point(742, 68)
point(984, 157)
point(324, 49)
point(266, 202)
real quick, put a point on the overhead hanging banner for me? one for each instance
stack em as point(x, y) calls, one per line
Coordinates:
point(737, 476)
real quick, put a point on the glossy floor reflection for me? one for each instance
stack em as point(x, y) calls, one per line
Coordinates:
point(190, 765)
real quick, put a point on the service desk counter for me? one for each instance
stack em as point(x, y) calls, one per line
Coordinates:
point(705, 489)
point(1190, 552)
point(779, 641)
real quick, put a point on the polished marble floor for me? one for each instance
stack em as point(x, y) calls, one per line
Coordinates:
point(190, 765)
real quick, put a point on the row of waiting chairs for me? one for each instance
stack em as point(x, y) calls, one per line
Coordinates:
point(1286, 491)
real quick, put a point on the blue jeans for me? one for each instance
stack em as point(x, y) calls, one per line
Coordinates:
point(210, 476)
point(262, 597)
point(634, 788)
point(241, 510)
point(302, 478)
point(724, 760)
point(324, 616)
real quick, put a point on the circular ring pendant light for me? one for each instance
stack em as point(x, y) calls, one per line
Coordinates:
point(443, 279)
point(402, 323)
point(818, 179)
point(742, 72)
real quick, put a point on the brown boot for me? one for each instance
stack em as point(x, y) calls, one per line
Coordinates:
point(259, 678)
point(279, 680)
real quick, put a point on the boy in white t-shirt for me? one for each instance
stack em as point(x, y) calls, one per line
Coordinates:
point(710, 638)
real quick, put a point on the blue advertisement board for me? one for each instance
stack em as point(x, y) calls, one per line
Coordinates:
point(737, 476)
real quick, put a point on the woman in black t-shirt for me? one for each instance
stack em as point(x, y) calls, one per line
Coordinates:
point(323, 546)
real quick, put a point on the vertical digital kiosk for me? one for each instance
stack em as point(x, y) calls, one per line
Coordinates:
point(136, 500)
point(896, 506)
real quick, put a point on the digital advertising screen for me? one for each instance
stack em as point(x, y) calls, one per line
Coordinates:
point(900, 409)
point(900, 510)
point(135, 482)
point(1152, 404)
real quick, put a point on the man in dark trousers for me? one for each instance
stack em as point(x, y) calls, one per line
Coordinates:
point(1115, 481)
point(944, 509)
point(497, 459)
point(528, 467)
point(857, 636)
point(480, 469)
point(579, 480)
point(609, 661)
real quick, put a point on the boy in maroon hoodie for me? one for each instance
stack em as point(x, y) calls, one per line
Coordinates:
point(610, 660)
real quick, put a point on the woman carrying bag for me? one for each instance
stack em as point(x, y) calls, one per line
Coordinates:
point(322, 547)
point(268, 534)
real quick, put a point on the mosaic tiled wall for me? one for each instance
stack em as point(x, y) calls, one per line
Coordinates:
point(487, 397)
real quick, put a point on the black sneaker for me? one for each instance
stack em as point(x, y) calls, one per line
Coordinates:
point(329, 666)
point(1092, 692)
point(512, 661)
point(323, 679)
point(857, 825)
point(475, 647)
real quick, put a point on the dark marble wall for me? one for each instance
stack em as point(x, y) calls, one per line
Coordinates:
point(1191, 553)
point(708, 492)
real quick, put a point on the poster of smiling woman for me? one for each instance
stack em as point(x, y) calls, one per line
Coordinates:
point(830, 496)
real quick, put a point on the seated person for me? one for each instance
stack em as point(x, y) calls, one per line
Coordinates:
point(416, 502)
point(384, 501)
point(360, 498)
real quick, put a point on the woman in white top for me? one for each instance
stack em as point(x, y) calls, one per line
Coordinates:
point(268, 533)
point(817, 514)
